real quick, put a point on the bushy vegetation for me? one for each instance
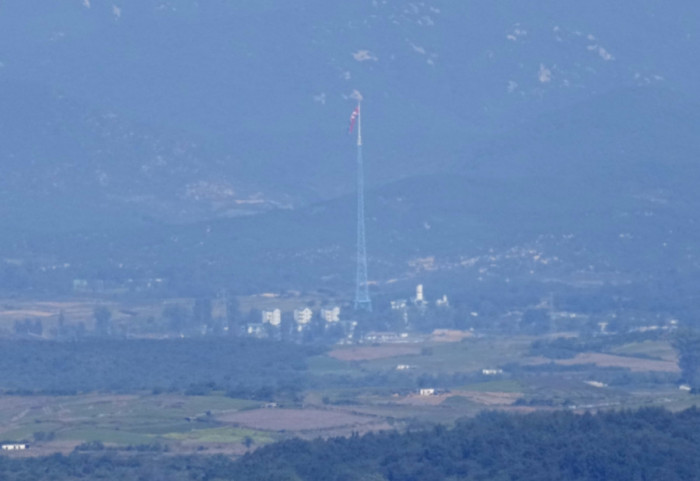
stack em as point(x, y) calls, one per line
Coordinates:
point(688, 345)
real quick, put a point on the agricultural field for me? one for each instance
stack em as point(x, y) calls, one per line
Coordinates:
point(357, 389)
point(61, 423)
point(639, 373)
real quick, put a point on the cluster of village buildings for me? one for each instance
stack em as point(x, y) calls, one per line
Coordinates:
point(272, 319)
point(418, 301)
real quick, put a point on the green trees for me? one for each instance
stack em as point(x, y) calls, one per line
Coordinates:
point(103, 316)
point(687, 343)
point(536, 321)
point(233, 315)
point(202, 312)
point(29, 328)
point(176, 317)
point(241, 366)
point(623, 446)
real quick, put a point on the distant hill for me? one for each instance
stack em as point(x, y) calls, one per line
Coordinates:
point(136, 134)
point(589, 188)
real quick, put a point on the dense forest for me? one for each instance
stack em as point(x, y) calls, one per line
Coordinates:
point(648, 444)
point(247, 368)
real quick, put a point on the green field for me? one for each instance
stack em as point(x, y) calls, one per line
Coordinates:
point(223, 435)
point(650, 349)
point(469, 355)
point(119, 420)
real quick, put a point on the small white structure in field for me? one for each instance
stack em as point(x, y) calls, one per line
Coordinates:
point(404, 367)
point(427, 391)
point(273, 317)
point(14, 447)
point(596, 383)
point(398, 304)
point(491, 372)
point(256, 330)
point(685, 387)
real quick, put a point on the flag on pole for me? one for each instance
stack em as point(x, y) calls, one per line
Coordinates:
point(353, 118)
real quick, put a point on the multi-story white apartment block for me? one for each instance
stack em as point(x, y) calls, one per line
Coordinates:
point(331, 315)
point(273, 317)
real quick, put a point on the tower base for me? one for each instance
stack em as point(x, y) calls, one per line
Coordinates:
point(363, 305)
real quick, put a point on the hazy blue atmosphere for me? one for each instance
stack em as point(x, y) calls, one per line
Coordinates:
point(156, 123)
point(174, 171)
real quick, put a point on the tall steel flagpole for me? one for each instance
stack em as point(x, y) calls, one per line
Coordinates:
point(362, 300)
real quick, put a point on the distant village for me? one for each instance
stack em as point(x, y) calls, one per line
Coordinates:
point(272, 321)
point(222, 315)
point(97, 312)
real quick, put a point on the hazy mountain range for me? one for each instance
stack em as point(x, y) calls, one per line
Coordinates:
point(501, 138)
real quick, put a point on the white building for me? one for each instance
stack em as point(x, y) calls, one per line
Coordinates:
point(442, 302)
point(14, 447)
point(331, 315)
point(273, 317)
point(427, 391)
point(419, 300)
point(302, 317)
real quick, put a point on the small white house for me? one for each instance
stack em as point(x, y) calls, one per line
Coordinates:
point(427, 391)
point(491, 372)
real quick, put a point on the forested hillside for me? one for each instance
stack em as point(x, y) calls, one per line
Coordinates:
point(620, 446)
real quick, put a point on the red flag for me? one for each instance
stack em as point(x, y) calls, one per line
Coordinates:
point(353, 119)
